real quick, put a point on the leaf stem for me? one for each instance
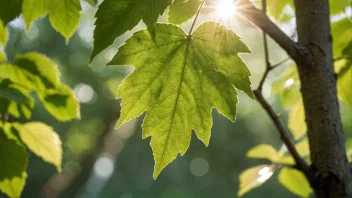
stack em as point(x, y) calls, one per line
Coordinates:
point(196, 17)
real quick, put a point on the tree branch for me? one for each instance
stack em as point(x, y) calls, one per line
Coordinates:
point(284, 135)
point(259, 18)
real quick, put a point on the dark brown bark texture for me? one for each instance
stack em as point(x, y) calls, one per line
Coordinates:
point(332, 172)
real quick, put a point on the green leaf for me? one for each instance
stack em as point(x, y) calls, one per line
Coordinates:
point(178, 79)
point(288, 86)
point(92, 2)
point(9, 10)
point(14, 160)
point(349, 149)
point(295, 182)
point(276, 8)
point(42, 140)
point(264, 151)
point(115, 17)
point(342, 35)
point(297, 121)
point(303, 148)
point(38, 73)
point(34, 9)
point(32, 70)
point(3, 35)
point(2, 57)
point(344, 83)
point(65, 16)
point(338, 6)
point(60, 103)
point(254, 177)
point(16, 100)
point(182, 10)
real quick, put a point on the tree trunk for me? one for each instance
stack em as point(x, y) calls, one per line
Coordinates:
point(332, 173)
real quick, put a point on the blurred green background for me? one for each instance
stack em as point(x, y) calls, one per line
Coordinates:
point(100, 161)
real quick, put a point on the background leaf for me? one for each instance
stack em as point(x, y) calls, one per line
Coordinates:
point(264, 151)
point(43, 141)
point(115, 17)
point(182, 10)
point(254, 177)
point(65, 16)
point(34, 9)
point(14, 160)
point(60, 103)
point(295, 182)
point(9, 10)
point(297, 121)
point(92, 2)
point(3, 34)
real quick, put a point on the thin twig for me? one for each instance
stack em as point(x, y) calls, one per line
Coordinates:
point(257, 17)
point(280, 62)
point(342, 57)
point(284, 135)
point(196, 17)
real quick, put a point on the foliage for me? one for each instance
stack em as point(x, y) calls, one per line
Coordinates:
point(19, 79)
point(179, 77)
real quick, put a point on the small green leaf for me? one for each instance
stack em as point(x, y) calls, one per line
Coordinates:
point(43, 141)
point(3, 57)
point(115, 17)
point(344, 83)
point(264, 151)
point(342, 35)
point(14, 160)
point(295, 182)
point(178, 79)
point(92, 2)
point(303, 148)
point(16, 100)
point(34, 9)
point(182, 10)
point(60, 103)
point(4, 34)
point(32, 70)
point(297, 121)
point(9, 10)
point(65, 16)
point(349, 149)
point(254, 177)
point(288, 86)
point(276, 8)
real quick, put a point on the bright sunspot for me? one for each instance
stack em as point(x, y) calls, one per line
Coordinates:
point(225, 9)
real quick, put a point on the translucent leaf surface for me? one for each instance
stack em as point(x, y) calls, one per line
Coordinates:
point(178, 79)
point(115, 17)
point(61, 103)
point(63, 14)
point(297, 121)
point(295, 182)
point(34, 9)
point(3, 34)
point(14, 160)
point(43, 141)
point(182, 10)
point(254, 177)
point(264, 151)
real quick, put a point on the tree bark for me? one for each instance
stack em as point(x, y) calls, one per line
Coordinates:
point(332, 173)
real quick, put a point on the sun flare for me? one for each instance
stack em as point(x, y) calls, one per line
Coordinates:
point(225, 9)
